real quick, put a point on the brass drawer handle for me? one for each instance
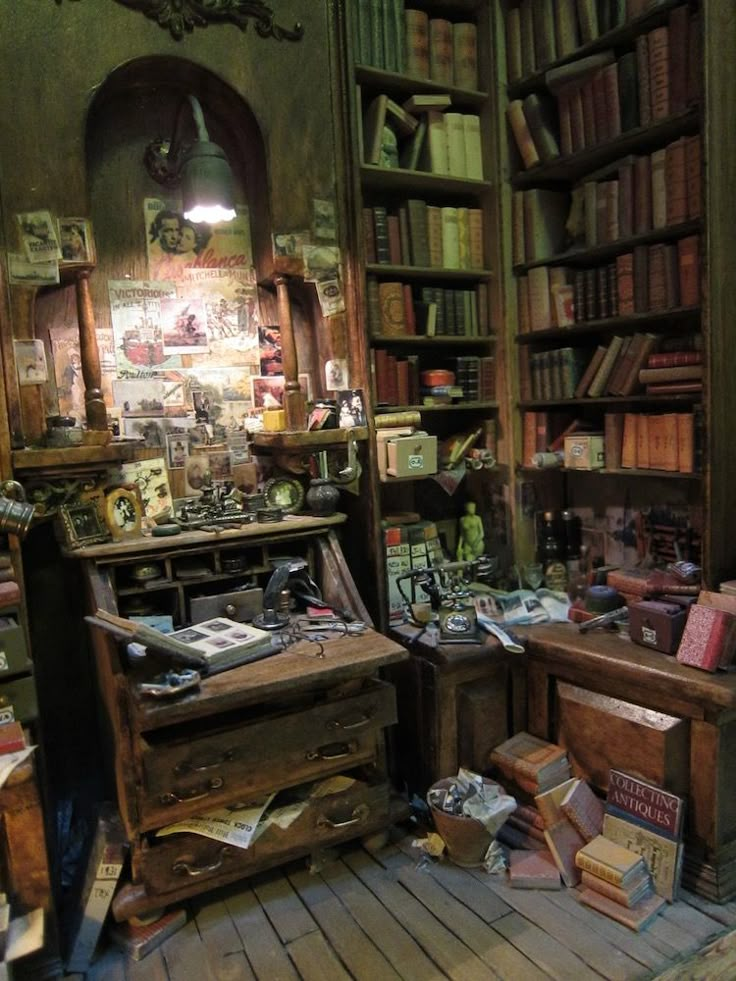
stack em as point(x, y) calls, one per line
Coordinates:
point(180, 867)
point(360, 813)
point(358, 724)
point(189, 766)
point(216, 783)
point(335, 752)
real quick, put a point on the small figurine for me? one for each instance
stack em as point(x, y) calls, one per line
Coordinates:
point(471, 541)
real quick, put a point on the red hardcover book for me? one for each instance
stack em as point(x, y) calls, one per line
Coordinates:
point(625, 284)
point(409, 315)
point(533, 870)
point(583, 810)
point(709, 639)
point(693, 175)
point(645, 803)
point(659, 72)
point(687, 251)
point(674, 359)
point(613, 106)
point(642, 73)
point(676, 181)
point(678, 24)
point(674, 388)
point(588, 106)
point(642, 194)
point(369, 236)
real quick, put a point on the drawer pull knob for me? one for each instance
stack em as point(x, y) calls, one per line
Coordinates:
point(231, 610)
point(191, 766)
point(181, 867)
point(360, 813)
point(364, 720)
point(194, 794)
point(333, 752)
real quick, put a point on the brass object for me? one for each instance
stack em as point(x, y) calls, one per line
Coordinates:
point(182, 16)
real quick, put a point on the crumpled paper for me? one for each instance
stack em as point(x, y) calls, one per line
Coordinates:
point(484, 800)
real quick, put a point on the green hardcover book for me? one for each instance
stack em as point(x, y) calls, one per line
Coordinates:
point(376, 26)
point(628, 91)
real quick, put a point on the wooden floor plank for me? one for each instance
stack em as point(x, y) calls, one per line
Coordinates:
point(636, 945)
point(681, 942)
point(501, 956)
point(715, 962)
point(484, 903)
point(267, 957)
point(109, 966)
point(315, 960)
point(451, 955)
point(692, 921)
point(221, 940)
point(716, 911)
point(604, 957)
point(547, 953)
point(287, 913)
point(150, 968)
point(186, 956)
point(357, 951)
point(398, 946)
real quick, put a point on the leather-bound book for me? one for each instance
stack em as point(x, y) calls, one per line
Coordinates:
point(533, 870)
point(540, 118)
point(689, 267)
point(656, 278)
point(640, 274)
point(626, 198)
point(440, 50)
point(642, 76)
point(642, 194)
point(625, 283)
point(613, 107)
point(685, 442)
point(391, 300)
point(676, 182)
point(709, 639)
point(636, 918)
point(613, 433)
point(659, 72)
point(628, 92)
point(678, 25)
point(693, 175)
point(590, 134)
point(659, 188)
point(584, 810)
point(417, 43)
point(465, 55)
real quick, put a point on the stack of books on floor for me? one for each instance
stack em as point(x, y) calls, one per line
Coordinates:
point(617, 882)
point(532, 764)
point(523, 830)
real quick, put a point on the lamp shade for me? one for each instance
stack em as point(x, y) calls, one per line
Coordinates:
point(207, 186)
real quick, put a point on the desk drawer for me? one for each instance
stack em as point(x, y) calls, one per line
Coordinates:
point(172, 864)
point(189, 775)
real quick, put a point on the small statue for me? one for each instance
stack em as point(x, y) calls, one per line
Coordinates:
point(471, 541)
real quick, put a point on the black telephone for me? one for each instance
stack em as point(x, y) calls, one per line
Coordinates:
point(450, 598)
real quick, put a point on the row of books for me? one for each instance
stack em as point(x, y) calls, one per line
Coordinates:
point(663, 441)
point(539, 32)
point(409, 546)
point(643, 193)
point(425, 235)
point(600, 97)
point(651, 279)
point(395, 311)
point(389, 37)
point(397, 380)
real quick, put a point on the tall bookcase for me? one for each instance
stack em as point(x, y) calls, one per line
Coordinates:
point(408, 271)
point(619, 218)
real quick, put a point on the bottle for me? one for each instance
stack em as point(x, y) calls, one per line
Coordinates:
point(553, 554)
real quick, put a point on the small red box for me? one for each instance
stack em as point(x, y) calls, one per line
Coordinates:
point(657, 625)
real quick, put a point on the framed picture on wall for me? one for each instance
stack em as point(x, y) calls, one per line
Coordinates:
point(76, 241)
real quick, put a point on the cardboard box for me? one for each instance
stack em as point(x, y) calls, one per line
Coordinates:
point(411, 456)
point(584, 452)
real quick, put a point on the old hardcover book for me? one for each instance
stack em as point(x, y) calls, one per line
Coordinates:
point(659, 188)
point(587, 104)
point(599, 107)
point(678, 24)
point(598, 385)
point(528, 756)
point(629, 441)
point(685, 442)
point(563, 112)
point(394, 240)
point(529, 438)
point(513, 44)
point(709, 638)
point(630, 382)
point(687, 372)
point(676, 182)
point(543, 19)
point(522, 134)
point(645, 803)
point(641, 278)
point(610, 861)
point(637, 918)
point(659, 72)
point(410, 153)
point(657, 283)
point(528, 54)
point(693, 176)
point(584, 810)
point(465, 55)
point(374, 120)
point(648, 442)
point(548, 803)
point(416, 26)
point(641, 49)
point(590, 371)
point(628, 91)
point(380, 232)
point(530, 814)
point(588, 20)
point(440, 50)
point(637, 890)
point(689, 267)
point(515, 839)
point(545, 214)
point(566, 28)
point(642, 194)
point(418, 231)
point(533, 870)
point(663, 857)
point(455, 144)
point(613, 434)
point(521, 825)
point(613, 106)
point(539, 116)
point(564, 842)
point(540, 312)
point(138, 941)
point(391, 302)
point(473, 146)
point(450, 238)
point(518, 237)
point(625, 204)
point(625, 283)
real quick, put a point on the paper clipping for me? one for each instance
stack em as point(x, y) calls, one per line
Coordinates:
point(38, 233)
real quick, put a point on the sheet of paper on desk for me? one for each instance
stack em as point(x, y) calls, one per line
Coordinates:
point(523, 606)
point(9, 761)
point(231, 827)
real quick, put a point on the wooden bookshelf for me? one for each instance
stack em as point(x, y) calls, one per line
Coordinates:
point(671, 321)
point(423, 272)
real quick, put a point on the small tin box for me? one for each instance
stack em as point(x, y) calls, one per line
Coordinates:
point(657, 625)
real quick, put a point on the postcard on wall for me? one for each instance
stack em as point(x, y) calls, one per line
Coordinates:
point(38, 234)
point(321, 262)
point(183, 323)
point(177, 398)
point(268, 393)
point(290, 244)
point(217, 386)
point(330, 297)
point(325, 228)
point(67, 365)
point(337, 374)
point(269, 346)
point(139, 396)
point(232, 313)
point(151, 430)
point(135, 311)
point(175, 244)
point(21, 272)
point(177, 445)
point(76, 241)
point(30, 361)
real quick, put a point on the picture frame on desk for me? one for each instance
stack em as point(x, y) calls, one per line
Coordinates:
point(82, 525)
point(123, 513)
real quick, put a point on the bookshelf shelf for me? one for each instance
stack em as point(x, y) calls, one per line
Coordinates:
point(448, 341)
point(593, 255)
point(456, 407)
point(567, 170)
point(678, 319)
point(393, 179)
point(620, 472)
point(617, 37)
point(533, 404)
point(376, 78)
point(427, 272)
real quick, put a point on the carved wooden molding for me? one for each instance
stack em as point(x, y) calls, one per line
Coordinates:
point(182, 16)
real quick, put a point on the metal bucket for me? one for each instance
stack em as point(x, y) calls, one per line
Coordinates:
point(466, 839)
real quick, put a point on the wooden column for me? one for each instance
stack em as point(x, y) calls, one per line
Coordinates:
point(295, 407)
point(91, 372)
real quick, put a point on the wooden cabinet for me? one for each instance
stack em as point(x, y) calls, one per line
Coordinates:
point(615, 704)
point(314, 710)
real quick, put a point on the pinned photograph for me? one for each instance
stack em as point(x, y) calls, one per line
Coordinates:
point(184, 327)
point(30, 360)
point(336, 374)
point(350, 408)
point(325, 227)
point(197, 475)
point(139, 397)
point(21, 272)
point(38, 232)
point(330, 297)
point(269, 346)
point(268, 393)
point(177, 445)
point(76, 242)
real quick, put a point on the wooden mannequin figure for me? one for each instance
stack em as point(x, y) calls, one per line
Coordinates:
point(471, 541)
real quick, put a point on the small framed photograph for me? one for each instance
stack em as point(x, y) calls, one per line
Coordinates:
point(76, 241)
point(81, 525)
point(177, 445)
point(123, 513)
point(350, 408)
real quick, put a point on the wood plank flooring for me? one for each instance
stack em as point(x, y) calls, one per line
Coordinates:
point(386, 914)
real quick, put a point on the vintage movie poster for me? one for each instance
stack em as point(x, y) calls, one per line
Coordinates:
point(135, 311)
point(67, 363)
point(175, 244)
point(183, 322)
point(232, 313)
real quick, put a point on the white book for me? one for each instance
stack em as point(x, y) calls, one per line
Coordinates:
point(434, 156)
point(473, 151)
point(450, 239)
point(455, 133)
